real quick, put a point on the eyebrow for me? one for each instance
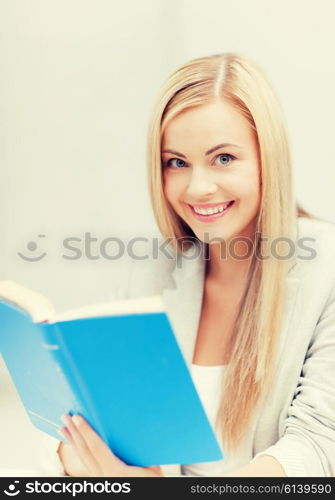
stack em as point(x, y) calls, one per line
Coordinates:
point(219, 146)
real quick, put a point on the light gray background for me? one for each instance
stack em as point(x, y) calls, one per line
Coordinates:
point(77, 82)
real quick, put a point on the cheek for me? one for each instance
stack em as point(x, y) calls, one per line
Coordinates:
point(257, 185)
point(168, 189)
point(250, 187)
point(171, 188)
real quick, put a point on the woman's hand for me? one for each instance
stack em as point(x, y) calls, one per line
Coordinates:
point(97, 458)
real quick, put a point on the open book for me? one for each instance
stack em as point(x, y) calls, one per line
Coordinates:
point(118, 364)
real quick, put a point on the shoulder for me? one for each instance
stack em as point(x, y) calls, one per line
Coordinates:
point(317, 228)
point(152, 270)
point(314, 268)
point(315, 249)
point(155, 266)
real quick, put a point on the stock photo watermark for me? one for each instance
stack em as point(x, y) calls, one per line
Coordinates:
point(73, 488)
point(92, 248)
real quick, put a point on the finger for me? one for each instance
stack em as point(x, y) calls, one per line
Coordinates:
point(79, 445)
point(96, 445)
point(63, 431)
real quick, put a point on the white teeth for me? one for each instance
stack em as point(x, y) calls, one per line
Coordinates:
point(209, 211)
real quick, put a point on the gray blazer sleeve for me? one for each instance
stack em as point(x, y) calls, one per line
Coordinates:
point(307, 447)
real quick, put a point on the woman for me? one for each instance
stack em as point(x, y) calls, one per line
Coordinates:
point(220, 175)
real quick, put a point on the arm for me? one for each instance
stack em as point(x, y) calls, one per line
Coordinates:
point(307, 448)
point(264, 466)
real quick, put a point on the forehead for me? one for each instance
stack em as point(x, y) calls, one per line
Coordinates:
point(206, 125)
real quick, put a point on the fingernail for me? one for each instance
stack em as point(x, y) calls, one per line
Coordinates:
point(64, 418)
point(77, 419)
point(60, 431)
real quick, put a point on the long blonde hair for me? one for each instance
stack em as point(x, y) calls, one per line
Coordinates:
point(240, 81)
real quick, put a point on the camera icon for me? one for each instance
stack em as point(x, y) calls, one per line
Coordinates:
point(12, 490)
point(32, 247)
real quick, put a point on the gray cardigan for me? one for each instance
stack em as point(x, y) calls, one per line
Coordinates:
point(296, 424)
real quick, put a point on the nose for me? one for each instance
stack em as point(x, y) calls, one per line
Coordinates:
point(201, 184)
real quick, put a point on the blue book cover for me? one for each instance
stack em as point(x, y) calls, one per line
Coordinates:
point(117, 364)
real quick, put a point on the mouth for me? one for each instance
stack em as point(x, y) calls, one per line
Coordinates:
point(213, 213)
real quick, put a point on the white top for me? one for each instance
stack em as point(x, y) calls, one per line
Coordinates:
point(208, 382)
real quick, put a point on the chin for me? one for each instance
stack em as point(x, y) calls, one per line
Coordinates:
point(223, 234)
point(212, 237)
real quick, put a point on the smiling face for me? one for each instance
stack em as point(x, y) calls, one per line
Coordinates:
point(210, 157)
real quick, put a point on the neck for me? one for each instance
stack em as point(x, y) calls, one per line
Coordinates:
point(227, 264)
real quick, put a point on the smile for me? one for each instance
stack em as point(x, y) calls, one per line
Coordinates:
point(211, 214)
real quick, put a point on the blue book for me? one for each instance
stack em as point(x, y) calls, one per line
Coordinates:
point(118, 364)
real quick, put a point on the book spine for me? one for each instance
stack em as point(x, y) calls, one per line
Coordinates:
point(66, 366)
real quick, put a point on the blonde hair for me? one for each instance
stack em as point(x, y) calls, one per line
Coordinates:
point(254, 349)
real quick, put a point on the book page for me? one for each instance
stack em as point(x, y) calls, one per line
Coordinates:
point(152, 303)
point(34, 303)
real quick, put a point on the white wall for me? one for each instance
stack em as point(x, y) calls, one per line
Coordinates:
point(77, 83)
